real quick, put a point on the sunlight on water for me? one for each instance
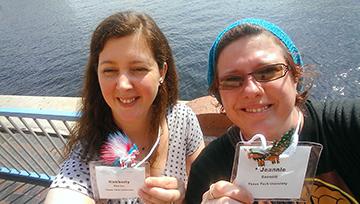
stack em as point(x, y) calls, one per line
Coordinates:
point(44, 44)
point(340, 90)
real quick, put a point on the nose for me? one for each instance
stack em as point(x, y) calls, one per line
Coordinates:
point(123, 82)
point(251, 88)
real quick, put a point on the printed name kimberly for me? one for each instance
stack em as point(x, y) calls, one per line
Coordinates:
point(119, 181)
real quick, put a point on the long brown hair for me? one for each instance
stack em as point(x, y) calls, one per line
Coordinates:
point(96, 120)
point(249, 30)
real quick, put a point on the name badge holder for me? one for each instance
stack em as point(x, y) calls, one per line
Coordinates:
point(279, 178)
point(111, 182)
point(118, 175)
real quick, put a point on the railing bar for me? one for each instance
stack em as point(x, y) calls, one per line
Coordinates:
point(49, 138)
point(41, 114)
point(14, 190)
point(40, 142)
point(44, 197)
point(57, 132)
point(32, 146)
point(25, 149)
point(68, 127)
point(7, 186)
point(9, 161)
point(39, 191)
point(3, 181)
point(24, 193)
point(12, 157)
point(13, 136)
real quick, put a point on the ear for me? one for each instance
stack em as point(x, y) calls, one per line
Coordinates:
point(163, 71)
point(296, 85)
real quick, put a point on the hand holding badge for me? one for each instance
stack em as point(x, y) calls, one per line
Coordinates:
point(278, 170)
point(118, 175)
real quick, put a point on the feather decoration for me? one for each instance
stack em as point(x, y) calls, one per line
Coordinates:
point(118, 150)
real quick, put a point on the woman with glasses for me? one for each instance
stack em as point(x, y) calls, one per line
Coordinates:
point(257, 74)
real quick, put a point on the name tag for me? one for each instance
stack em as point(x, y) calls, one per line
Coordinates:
point(272, 178)
point(110, 182)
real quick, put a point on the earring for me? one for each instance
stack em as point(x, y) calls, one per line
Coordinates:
point(161, 80)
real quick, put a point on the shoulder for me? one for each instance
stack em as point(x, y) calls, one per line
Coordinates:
point(342, 106)
point(181, 114)
point(213, 164)
point(179, 109)
point(333, 112)
point(74, 174)
point(336, 125)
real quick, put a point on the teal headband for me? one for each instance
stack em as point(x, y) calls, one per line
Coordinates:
point(275, 30)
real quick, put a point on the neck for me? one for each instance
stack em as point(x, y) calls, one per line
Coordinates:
point(139, 132)
point(272, 134)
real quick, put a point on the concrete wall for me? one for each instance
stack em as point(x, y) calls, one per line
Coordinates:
point(40, 102)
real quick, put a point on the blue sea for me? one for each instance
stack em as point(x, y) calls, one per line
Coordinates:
point(44, 43)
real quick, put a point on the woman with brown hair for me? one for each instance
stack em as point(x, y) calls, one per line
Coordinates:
point(131, 86)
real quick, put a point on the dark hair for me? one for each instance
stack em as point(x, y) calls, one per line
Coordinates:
point(96, 121)
point(249, 30)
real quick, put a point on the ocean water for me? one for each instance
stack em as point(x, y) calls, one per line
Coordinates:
point(44, 44)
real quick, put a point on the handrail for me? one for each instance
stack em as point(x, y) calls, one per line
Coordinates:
point(31, 143)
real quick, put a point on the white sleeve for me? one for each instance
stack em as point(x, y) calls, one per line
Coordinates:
point(74, 174)
point(193, 132)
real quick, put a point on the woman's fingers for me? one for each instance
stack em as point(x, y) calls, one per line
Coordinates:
point(162, 190)
point(162, 182)
point(149, 199)
point(223, 200)
point(225, 189)
point(161, 194)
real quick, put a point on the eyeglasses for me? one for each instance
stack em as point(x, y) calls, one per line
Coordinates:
point(265, 74)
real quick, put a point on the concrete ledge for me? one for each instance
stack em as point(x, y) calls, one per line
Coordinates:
point(40, 102)
point(212, 121)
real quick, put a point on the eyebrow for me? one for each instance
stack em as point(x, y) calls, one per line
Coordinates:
point(107, 62)
point(132, 62)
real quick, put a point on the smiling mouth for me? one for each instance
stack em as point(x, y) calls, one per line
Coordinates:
point(256, 110)
point(127, 100)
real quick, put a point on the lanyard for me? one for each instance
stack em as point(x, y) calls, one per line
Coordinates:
point(289, 151)
point(119, 151)
point(151, 150)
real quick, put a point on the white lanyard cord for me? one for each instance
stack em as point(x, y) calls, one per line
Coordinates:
point(290, 150)
point(151, 150)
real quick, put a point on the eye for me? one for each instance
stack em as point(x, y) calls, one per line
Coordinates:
point(140, 69)
point(270, 72)
point(109, 71)
point(231, 82)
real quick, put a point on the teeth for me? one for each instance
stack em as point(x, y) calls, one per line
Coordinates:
point(127, 100)
point(256, 110)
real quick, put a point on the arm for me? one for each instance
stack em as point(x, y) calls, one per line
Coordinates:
point(167, 189)
point(63, 195)
point(191, 158)
point(195, 139)
point(72, 183)
point(188, 140)
point(213, 164)
point(341, 124)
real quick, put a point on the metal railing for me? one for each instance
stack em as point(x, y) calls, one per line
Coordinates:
point(31, 144)
point(31, 150)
